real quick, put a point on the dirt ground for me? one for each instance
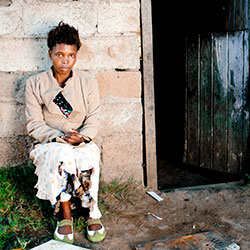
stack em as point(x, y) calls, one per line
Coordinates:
point(183, 212)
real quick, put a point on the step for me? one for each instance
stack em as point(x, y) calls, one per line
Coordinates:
point(57, 245)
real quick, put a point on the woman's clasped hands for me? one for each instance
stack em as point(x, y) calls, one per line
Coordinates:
point(73, 137)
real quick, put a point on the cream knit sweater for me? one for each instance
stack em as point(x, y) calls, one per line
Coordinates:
point(45, 121)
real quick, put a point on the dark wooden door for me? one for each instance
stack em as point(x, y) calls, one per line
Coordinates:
point(217, 105)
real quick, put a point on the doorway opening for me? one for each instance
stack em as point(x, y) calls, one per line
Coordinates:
point(172, 27)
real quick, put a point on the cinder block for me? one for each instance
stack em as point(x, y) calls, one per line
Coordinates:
point(96, 53)
point(102, 52)
point(118, 16)
point(125, 117)
point(122, 149)
point(13, 87)
point(13, 150)
point(121, 84)
point(7, 85)
point(11, 20)
point(81, 14)
point(24, 55)
point(12, 119)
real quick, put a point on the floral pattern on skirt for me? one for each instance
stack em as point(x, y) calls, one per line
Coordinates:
point(64, 171)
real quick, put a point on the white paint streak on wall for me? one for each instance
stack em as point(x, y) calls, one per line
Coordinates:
point(124, 116)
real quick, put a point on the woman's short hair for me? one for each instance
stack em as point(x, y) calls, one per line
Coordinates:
point(63, 33)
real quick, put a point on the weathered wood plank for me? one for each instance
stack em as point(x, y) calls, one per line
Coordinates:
point(206, 99)
point(235, 102)
point(237, 15)
point(193, 79)
point(231, 15)
point(148, 91)
point(238, 12)
point(220, 85)
point(185, 153)
point(246, 103)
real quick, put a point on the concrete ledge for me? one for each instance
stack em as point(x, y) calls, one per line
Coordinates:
point(57, 245)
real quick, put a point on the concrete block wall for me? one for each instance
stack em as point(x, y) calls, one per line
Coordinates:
point(110, 54)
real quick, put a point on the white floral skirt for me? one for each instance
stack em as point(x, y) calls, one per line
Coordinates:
point(62, 170)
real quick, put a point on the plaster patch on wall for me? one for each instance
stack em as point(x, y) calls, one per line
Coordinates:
point(123, 116)
point(120, 117)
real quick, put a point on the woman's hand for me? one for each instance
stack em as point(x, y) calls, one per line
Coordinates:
point(73, 137)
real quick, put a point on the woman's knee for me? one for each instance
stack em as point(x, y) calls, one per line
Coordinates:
point(87, 155)
point(59, 151)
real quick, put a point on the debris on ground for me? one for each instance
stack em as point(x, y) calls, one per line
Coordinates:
point(128, 224)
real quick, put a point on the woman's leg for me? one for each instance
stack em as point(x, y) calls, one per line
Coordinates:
point(65, 214)
point(87, 159)
point(53, 161)
point(55, 164)
point(86, 181)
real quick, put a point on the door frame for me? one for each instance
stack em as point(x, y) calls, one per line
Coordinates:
point(148, 95)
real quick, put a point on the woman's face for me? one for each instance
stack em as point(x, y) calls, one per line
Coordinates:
point(63, 57)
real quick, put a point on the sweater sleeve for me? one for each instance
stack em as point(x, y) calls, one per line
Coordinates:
point(91, 123)
point(35, 123)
